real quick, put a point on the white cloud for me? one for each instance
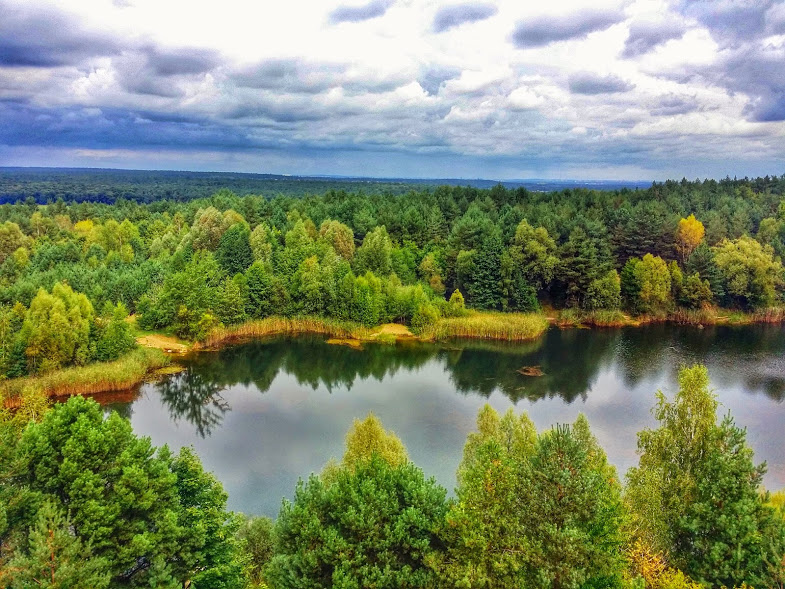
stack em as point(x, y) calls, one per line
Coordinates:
point(287, 76)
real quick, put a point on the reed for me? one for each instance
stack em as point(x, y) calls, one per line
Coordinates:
point(283, 325)
point(489, 325)
point(121, 374)
point(596, 318)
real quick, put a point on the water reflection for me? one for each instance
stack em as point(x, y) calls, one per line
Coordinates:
point(263, 414)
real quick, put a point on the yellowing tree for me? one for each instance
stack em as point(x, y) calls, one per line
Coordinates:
point(688, 236)
point(368, 437)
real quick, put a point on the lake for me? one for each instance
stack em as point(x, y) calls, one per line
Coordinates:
point(262, 414)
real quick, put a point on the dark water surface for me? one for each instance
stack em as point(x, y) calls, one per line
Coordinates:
point(261, 415)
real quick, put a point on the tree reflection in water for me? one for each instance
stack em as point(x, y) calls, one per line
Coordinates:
point(571, 360)
point(194, 397)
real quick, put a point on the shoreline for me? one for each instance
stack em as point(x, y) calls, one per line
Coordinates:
point(153, 358)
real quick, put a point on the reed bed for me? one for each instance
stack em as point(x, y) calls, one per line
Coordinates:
point(489, 325)
point(715, 316)
point(597, 318)
point(283, 325)
point(121, 374)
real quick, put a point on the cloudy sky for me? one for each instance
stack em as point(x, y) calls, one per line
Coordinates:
point(600, 89)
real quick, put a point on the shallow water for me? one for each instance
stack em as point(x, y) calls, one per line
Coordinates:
point(261, 415)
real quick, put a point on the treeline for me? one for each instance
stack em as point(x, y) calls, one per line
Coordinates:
point(108, 186)
point(86, 503)
point(414, 258)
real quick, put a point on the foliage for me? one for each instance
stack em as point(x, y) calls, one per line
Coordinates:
point(367, 438)
point(752, 275)
point(694, 495)
point(55, 558)
point(57, 328)
point(188, 265)
point(371, 526)
point(257, 537)
point(688, 235)
point(151, 517)
point(533, 511)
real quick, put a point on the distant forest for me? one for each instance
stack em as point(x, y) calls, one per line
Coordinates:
point(107, 186)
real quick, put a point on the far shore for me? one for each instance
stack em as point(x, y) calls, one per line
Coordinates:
point(157, 353)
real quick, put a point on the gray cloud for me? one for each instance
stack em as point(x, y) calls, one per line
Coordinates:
point(454, 15)
point(172, 62)
point(588, 83)
point(373, 9)
point(732, 22)
point(432, 79)
point(156, 71)
point(544, 30)
point(37, 37)
point(674, 105)
point(761, 75)
point(746, 64)
point(293, 75)
point(645, 36)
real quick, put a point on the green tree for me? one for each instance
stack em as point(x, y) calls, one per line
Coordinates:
point(486, 532)
point(57, 328)
point(156, 520)
point(583, 260)
point(210, 553)
point(604, 293)
point(230, 302)
point(261, 293)
point(115, 337)
point(375, 253)
point(257, 536)
point(372, 526)
point(11, 239)
point(533, 254)
point(234, 253)
point(339, 236)
point(367, 438)
point(120, 495)
point(55, 558)
point(702, 261)
point(752, 275)
point(694, 495)
point(533, 511)
point(646, 284)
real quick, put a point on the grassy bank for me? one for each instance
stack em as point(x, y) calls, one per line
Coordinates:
point(697, 317)
point(282, 325)
point(489, 325)
point(121, 374)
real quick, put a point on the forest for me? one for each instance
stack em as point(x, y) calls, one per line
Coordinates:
point(71, 273)
point(84, 502)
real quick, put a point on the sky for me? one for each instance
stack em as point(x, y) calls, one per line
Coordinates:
point(499, 89)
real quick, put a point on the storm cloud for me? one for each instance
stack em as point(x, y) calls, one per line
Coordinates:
point(610, 89)
point(32, 36)
point(454, 15)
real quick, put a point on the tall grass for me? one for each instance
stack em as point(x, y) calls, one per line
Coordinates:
point(121, 374)
point(597, 318)
point(489, 325)
point(283, 325)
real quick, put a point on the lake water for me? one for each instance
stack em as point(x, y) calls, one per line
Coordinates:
point(263, 414)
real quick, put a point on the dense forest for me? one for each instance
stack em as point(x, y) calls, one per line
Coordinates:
point(108, 186)
point(84, 502)
point(70, 273)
